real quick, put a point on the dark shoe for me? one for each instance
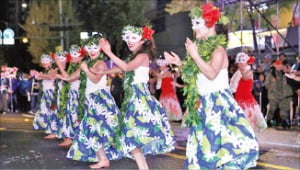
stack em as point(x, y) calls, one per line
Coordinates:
point(269, 123)
point(285, 124)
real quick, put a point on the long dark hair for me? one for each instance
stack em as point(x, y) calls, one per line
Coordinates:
point(149, 48)
point(222, 29)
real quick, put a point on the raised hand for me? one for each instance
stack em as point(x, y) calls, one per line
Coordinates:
point(191, 48)
point(172, 58)
point(105, 45)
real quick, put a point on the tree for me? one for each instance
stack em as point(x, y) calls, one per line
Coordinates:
point(41, 16)
point(232, 11)
point(110, 16)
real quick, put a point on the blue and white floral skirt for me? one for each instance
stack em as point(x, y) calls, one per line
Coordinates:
point(70, 124)
point(97, 128)
point(55, 123)
point(41, 119)
point(224, 138)
point(146, 125)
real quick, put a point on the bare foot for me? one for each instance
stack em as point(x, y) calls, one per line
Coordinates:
point(103, 164)
point(66, 143)
point(50, 136)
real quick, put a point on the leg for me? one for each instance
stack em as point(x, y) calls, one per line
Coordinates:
point(66, 143)
point(271, 110)
point(284, 106)
point(50, 136)
point(103, 161)
point(140, 159)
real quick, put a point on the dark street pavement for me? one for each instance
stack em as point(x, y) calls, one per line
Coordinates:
point(23, 148)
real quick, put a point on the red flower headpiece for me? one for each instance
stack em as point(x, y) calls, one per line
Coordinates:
point(210, 14)
point(251, 60)
point(82, 52)
point(278, 62)
point(147, 33)
point(68, 56)
point(52, 55)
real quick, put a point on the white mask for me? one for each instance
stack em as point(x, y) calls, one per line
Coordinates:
point(197, 22)
point(92, 48)
point(130, 37)
point(75, 54)
point(45, 59)
point(61, 57)
point(241, 57)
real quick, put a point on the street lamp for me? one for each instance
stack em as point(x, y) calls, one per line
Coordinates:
point(25, 40)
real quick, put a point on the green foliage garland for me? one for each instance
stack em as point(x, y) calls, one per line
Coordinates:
point(63, 96)
point(189, 75)
point(128, 78)
point(82, 87)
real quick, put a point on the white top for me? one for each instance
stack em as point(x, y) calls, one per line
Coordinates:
point(75, 85)
point(206, 86)
point(48, 85)
point(141, 75)
point(92, 87)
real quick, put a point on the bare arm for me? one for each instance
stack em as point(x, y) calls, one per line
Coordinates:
point(163, 75)
point(247, 74)
point(95, 78)
point(74, 76)
point(139, 60)
point(177, 85)
point(61, 67)
point(107, 71)
point(212, 68)
point(47, 76)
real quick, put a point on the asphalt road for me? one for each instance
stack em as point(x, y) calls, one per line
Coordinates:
point(23, 148)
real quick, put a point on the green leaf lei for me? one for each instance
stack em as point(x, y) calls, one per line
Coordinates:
point(82, 86)
point(128, 78)
point(189, 75)
point(63, 96)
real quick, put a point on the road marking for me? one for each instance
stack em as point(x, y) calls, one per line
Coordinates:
point(19, 130)
point(281, 144)
point(274, 166)
point(180, 148)
point(173, 155)
point(182, 157)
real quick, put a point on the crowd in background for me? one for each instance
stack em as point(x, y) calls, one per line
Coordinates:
point(19, 91)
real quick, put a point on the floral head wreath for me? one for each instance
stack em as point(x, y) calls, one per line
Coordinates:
point(242, 57)
point(145, 32)
point(45, 59)
point(210, 14)
point(61, 56)
point(93, 40)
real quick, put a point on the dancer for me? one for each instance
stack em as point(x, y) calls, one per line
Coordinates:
point(146, 129)
point(168, 97)
point(100, 121)
point(42, 117)
point(56, 120)
point(69, 96)
point(220, 135)
point(241, 83)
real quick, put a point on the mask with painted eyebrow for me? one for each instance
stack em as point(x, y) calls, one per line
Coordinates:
point(197, 22)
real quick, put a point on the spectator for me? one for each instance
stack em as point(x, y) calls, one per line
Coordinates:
point(266, 65)
point(117, 89)
point(3, 91)
point(260, 93)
